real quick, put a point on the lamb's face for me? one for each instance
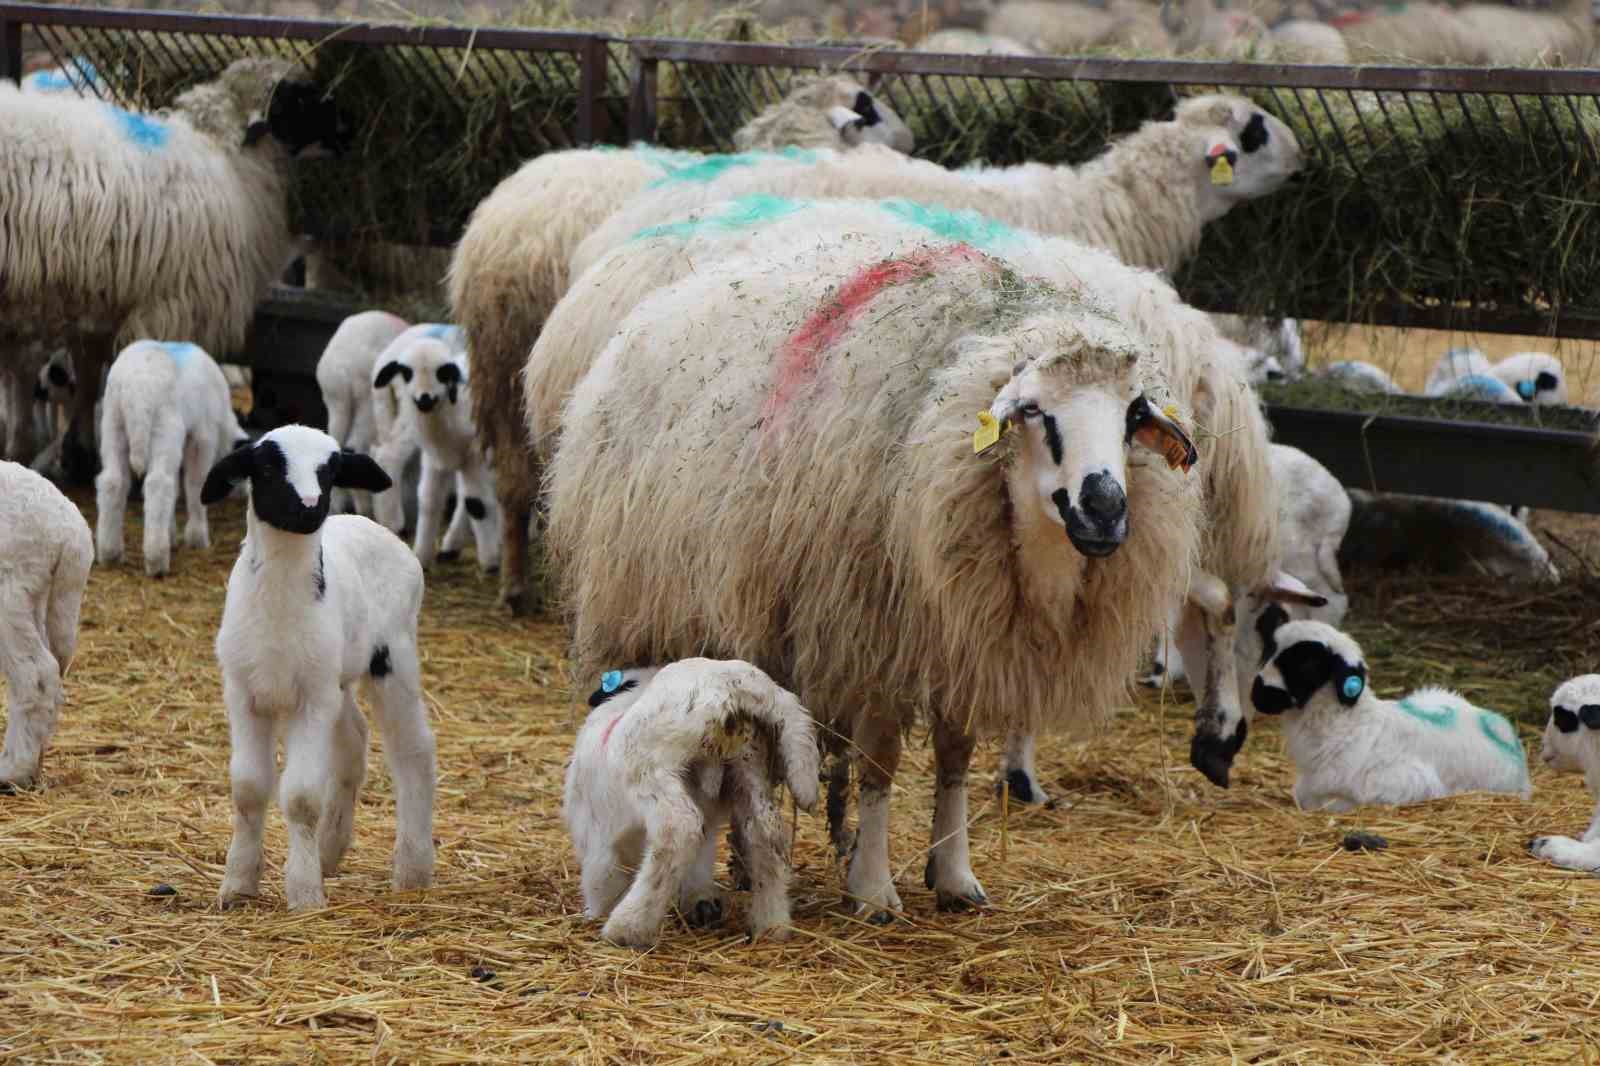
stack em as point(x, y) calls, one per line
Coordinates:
point(1572, 736)
point(55, 383)
point(1311, 663)
point(433, 370)
point(1240, 151)
point(292, 471)
point(1077, 409)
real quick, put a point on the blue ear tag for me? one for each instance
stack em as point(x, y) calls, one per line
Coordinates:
point(610, 680)
point(1526, 389)
point(1352, 687)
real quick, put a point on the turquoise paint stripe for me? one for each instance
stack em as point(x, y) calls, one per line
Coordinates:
point(968, 227)
point(1441, 718)
point(1503, 735)
point(179, 351)
point(713, 167)
point(747, 212)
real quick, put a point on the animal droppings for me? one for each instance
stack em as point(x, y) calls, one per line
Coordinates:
point(1364, 842)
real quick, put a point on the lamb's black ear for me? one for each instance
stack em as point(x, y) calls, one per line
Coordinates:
point(353, 470)
point(1306, 666)
point(390, 369)
point(40, 392)
point(867, 108)
point(228, 472)
point(255, 131)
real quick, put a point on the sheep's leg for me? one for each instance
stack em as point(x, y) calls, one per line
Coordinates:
point(250, 773)
point(455, 534)
point(349, 771)
point(698, 899)
point(360, 437)
point(1571, 854)
point(949, 869)
point(483, 510)
point(199, 452)
point(765, 849)
point(78, 460)
point(161, 493)
point(33, 678)
point(389, 506)
point(605, 879)
point(342, 501)
point(307, 766)
point(839, 803)
point(1017, 772)
point(430, 506)
point(410, 749)
point(516, 480)
point(674, 831)
point(16, 403)
point(111, 487)
point(869, 885)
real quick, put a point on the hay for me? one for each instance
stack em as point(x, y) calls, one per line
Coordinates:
point(1327, 395)
point(1147, 916)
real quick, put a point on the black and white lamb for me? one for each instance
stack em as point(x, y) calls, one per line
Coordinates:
point(1572, 745)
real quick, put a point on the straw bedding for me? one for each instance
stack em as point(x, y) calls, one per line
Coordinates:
point(1147, 917)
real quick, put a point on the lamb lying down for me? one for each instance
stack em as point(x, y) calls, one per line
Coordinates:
point(666, 757)
point(1351, 748)
point(1572, 745)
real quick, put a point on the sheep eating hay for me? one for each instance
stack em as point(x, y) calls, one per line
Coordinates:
point(666, 757)
point(119, 259)
point(45, 555)
point(787, 475)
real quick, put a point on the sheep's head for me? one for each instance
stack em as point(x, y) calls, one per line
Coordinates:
point(289, 108)
point(55, 383)
point(1240, 152)
point(1572, 736)
point(430, 362)
point(1536, 377)
point(292, 471)
point(1309, 662)
point(1076, 402)
point(830, 111)
point(1225, 638)
point(860, 118)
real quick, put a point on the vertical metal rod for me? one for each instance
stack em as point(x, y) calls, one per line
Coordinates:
point(591, 83)
point(11, 49)
point(642, 99)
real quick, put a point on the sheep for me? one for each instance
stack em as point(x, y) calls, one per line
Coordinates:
point(1276, 339)
point(855, 115)
point(195, 273)
point(1569, 747)
point(344, 374)
point(787, 474)
point(48, 552)
point(960, 41)
point(77, 76)
point(166, 406)
point(1359, 376)
point(317, 606)
point(1351, 748)
point(666, 757)
point(20, 367)
point(510, 267)
point(1467, 373)
point(52, 394)
point(1536, 377)
point(1391, 529)
point(1507, 37)
point(431, 361)
point(1051, 28)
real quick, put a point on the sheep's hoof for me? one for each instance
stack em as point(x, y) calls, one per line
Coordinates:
point(518, 602)
point(880, 918)
point(1022, 788)
point(950, 901)
point(448, 556)
point(1213, 757)
point(705, 913)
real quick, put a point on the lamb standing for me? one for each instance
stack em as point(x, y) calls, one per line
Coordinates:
point(47, 552)
point(1572, 745)
point(1351, 748)
point(196, 273)
point(787, 474)
point(317, 606)
point(667, 757)
point(355, 409)
point(166, 407)
point(510, 268)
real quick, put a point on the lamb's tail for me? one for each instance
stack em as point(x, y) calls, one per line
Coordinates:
point(139, 423)
point(796, 735)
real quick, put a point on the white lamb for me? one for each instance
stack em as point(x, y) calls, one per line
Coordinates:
point(317, 606)
point(1359, 376)
point(46, 551)
point(1572, 745)
point(1537, 377)
point(432, 361)
point(166, 407)
point(1351, 748)
point(117, 259)
point(355, 409)
point(666, 758)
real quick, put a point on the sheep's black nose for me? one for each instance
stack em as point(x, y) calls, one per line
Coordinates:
point(1102, 498)
point(1274, 375)
point(426, 401)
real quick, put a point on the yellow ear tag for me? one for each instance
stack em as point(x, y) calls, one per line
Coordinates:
point(988, 434)
point(1222, 171)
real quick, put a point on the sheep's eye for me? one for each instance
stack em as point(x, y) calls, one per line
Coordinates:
point(1565, 720)
point(1029, 410)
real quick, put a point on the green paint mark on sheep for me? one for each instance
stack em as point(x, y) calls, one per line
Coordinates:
point(747, 212)
point(713, 167)
point(1438, 717)
point(969, 227)
point(1503, 735)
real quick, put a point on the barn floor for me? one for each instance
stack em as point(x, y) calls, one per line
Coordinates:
point(1148, 916)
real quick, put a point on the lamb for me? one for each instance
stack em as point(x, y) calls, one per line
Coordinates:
point(48, 552)
point(787, 474)
point(1536, 377)
point(344, 374)
point(166, 406)
point(1467, 373)
point(315, 607)
point(1278, 339)
point(196, 273)
point(510, 268)
point(1359, 376)
point(666, 757)
point(431, 361)
point(1351, 748)
point(1569, 747)
point(1467, 536)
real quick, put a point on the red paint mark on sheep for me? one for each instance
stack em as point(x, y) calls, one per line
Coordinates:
point(800, 356)
point(1350, 18)
point(606, 734)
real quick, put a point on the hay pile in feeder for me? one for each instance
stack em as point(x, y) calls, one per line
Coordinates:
point(1147, 916)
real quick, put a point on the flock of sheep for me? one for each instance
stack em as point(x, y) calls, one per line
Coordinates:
point(830, 443)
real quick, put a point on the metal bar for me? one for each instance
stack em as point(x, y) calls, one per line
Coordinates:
point(592, 60)
point(10, 47)
point(1568, 324)
point(642, 98)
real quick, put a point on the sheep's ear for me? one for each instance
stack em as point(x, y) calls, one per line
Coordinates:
point(1546, 381)
point(353, 470)
point(867, 108)
point(843, 119)
point(1159, 431)
point(255, 131)
point(1306, 666)
point(390, 369)
point(1286, 588)
point(228, 472)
